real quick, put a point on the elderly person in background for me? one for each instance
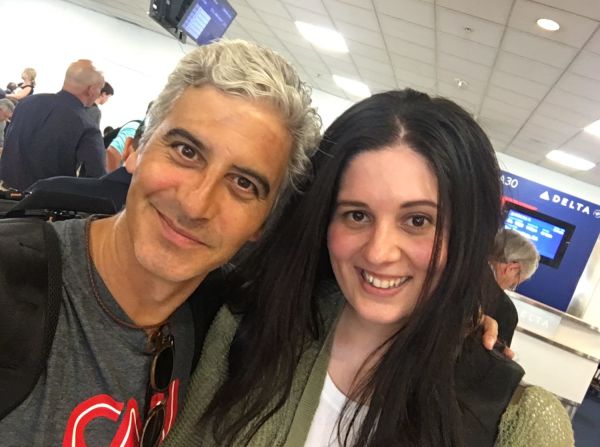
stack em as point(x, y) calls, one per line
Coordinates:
point(514, 260)
point(6, 110)
point(26, 87)
point(51, 134)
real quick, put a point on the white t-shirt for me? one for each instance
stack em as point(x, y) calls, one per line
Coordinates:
point(324, 426)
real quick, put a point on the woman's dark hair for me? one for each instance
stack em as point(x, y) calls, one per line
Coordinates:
point(410, 393)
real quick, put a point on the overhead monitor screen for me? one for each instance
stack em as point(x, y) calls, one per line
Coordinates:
point(550, 236)
point(207, 20)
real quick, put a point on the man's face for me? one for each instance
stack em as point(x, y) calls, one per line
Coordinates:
point(102, 98)
point(4, 115)
point(204, 183)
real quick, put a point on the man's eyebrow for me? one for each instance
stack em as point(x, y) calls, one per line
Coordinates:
point(264, 182)
point(258, 177)
point(180, 132)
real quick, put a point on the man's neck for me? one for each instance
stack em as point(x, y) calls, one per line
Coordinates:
point(146, 299)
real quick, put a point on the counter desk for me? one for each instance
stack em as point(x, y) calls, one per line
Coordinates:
point(558, 351)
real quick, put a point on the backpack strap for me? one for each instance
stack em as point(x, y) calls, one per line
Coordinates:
point(30, 297)
point(485, 382)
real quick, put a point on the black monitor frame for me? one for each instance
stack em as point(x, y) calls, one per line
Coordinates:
point(168, 14)
point(566, 239)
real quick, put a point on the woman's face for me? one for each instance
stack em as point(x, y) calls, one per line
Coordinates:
point(382, 233)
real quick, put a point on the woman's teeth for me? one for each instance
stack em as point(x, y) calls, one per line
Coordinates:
point(384, 283)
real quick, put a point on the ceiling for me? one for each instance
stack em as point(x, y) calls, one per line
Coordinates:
point(530, 89)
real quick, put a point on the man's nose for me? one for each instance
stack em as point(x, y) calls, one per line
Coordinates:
point(201, 198)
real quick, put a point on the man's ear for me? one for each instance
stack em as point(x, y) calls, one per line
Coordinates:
point(128, 149)
point(131, 161)
point(256, 236)
point(513, 267)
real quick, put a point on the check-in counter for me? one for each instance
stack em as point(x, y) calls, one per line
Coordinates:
point(558, 351)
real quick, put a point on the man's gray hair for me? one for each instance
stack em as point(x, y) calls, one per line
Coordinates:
point(7, 105)
point(246, 69)
point(511, 246)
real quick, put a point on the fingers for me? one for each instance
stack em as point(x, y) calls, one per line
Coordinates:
point(509, 353)
point(490, 332)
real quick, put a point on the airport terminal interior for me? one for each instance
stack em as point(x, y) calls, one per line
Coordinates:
point(527, 71)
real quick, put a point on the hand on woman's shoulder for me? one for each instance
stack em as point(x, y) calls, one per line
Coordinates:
point(536, 418)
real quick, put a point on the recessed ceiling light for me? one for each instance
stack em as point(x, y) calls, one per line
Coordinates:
point(548, 24)
point(461, 83)
point(324, 38)
point(593, 128)
point(355, 88)
point(570, 161)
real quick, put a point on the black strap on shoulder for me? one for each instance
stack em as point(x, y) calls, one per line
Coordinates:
point(485, 383)
point(30, 296)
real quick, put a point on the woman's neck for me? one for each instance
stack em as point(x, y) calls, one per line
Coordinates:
point(356, 349)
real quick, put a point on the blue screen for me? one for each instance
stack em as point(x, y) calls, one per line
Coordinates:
point(207, 20)
point(545, 236)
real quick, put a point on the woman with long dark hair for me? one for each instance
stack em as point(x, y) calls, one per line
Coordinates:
point(362, 300)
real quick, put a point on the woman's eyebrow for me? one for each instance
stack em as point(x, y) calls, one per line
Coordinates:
point(423, 202)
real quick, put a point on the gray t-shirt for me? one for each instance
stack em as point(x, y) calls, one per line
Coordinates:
point(94, 389)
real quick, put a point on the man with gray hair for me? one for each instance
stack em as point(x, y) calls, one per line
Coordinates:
point(514, 260)
point(230, 134)
point(7, 108)
point(52, 135)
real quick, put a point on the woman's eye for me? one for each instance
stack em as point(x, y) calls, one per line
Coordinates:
point(418, 221)
point(357, 216)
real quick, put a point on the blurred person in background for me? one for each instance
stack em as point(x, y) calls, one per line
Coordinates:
point(7, 108)
point(51, 134)
point(94, 111)
point(514, 260)
point(26, 87)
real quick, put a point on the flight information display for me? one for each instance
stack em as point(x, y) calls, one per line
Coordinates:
point(207, 20)
point(549, 235)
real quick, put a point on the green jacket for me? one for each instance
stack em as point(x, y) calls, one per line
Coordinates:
point(523, 423)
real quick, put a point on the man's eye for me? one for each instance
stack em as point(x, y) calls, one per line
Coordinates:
point(246, 185)
point(185, 150)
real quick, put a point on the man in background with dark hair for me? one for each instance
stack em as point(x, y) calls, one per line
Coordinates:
point(94, 111)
